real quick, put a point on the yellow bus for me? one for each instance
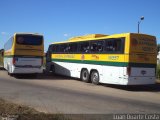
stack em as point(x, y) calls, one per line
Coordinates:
point(23, 53)
point(122, 59)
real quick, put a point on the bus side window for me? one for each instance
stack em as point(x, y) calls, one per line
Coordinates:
point(9, 43)
point(109, 46)
point(100, 48)
point(50, 48)
point(118, 45)
point(96, 46)
point(72, 47)
point(93, 47)
point(63, 48)
point(113, 45)
point(66, 48)
point(84, 47)
point(57, 47)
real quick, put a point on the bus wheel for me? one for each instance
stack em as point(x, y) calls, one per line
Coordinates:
point(11, 74)
point(8, 69)
point(95, 77)
point(8, 73)
point(85, 75)
point(52, 69)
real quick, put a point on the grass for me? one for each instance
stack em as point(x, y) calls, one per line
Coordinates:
point(20, 112)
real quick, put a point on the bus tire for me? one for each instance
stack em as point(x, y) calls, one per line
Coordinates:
point(85, 75)
point(52, 69)
point(8, 70)
point(8, 73)
point(95, 77)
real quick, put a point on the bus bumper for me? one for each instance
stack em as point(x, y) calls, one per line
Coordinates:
point(19, 70)
point(141, 80)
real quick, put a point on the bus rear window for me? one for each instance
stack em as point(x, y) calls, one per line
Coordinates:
point(29, 39)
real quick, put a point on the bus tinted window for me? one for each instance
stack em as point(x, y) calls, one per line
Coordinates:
point(9, 43)
point(63, 48)
point(29, 40)
point(50, 48)
point(96, 46)
point(84, 47)
point(72, 47)
point(114, 46)
point(55, 48)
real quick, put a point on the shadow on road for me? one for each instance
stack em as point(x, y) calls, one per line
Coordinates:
point(50, 76)
point(1, 68)
point(47, 76)
point(139, 88)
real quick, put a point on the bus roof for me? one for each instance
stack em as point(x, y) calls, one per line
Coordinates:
point(25, 33)
point(87, 37)
point(96, 37)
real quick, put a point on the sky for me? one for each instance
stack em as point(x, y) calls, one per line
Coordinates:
point(59, 20)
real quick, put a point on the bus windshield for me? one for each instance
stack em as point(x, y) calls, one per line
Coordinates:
point(29, 40)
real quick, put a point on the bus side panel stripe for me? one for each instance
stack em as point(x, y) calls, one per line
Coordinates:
point(118, 64)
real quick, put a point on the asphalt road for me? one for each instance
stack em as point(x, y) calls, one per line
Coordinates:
point(57, 94)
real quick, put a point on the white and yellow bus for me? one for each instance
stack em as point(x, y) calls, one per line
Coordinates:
point(23, 53)
point(122, 59)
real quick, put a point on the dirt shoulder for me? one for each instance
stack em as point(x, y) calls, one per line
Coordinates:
point(158, 81)
point(13, 111)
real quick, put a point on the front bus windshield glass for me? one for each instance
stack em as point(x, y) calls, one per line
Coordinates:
point(29, 39)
